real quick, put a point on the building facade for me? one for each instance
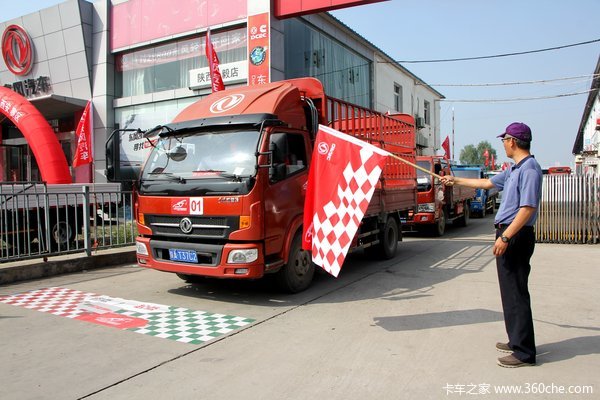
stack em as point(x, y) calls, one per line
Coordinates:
point(142, 62)
point(587, 143)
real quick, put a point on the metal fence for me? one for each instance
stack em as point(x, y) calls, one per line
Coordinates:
point(40, 220)
point(569, 210)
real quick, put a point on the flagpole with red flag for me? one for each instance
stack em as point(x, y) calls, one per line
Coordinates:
point(213, 65)
point(83, 153)
point(446, 147)
point(342, 178)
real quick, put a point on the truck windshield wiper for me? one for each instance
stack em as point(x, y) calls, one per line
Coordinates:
point(235, 177)
point(169, 176)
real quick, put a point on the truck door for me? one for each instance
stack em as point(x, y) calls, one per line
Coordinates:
point(284, 195)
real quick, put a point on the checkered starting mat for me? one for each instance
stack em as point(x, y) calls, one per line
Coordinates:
point(175, 323)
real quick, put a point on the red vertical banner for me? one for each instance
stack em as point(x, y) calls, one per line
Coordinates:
point(259, 52)
point(446, 147)
point(486, 156)
point(213, 65)
point(83, 134)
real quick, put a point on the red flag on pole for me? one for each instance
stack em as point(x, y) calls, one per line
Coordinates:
point(83, 153)
point(446, 147)
point(213, 65)
point(493, 163)
point(486, 155)
point(342, 178)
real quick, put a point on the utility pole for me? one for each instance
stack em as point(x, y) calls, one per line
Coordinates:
point(452, 134)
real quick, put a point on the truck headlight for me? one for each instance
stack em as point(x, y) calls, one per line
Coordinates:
point(426, 207)
point(140, 248)
point(242, 256)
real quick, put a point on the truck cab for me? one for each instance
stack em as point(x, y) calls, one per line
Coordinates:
point(221, 192)
point(439, 204)
point(484, 200)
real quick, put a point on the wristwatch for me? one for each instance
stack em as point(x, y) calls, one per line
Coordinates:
point(504, 239)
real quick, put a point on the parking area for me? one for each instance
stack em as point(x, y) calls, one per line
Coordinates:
point(422, 325)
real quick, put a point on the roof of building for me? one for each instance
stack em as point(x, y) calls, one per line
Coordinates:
point(595, 87)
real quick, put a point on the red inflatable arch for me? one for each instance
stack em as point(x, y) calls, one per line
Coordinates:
point(40, 136)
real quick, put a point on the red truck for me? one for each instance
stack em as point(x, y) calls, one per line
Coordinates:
point(439, 204)
point(221, 193)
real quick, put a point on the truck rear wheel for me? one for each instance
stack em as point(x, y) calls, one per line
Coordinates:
point(298, 273)
point(62, 234)
point(388, 241)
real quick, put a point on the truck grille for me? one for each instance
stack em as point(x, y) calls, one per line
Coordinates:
point(209, 227)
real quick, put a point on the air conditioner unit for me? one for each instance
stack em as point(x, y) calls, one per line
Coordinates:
point(420, 122)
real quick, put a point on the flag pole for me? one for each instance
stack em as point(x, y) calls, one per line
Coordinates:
point(415, 165)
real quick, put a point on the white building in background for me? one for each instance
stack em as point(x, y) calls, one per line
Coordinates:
point(587, 143)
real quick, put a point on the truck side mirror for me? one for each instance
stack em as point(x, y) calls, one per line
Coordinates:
point(278, 172)
point(115, 170)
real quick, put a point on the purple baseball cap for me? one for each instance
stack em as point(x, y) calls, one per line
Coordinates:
point(518, 130)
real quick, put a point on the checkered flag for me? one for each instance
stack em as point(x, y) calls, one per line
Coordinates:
point(342, 178)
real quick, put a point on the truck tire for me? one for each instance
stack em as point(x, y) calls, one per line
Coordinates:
point(439, 228)
point(298, 273)
point(62, 234)
point(464, 219)
point(388, 241)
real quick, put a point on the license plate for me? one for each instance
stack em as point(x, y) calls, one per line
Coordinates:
point(188, 256)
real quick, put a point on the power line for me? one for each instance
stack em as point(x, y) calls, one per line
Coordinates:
point(513, 99)
point(492, 56)
point(586, 77)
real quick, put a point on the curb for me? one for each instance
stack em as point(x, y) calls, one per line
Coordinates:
point(37, 268)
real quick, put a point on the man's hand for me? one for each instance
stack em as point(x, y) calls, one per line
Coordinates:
point(447, 180)
point(499, 247)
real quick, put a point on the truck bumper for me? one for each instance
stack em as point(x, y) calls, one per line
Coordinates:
point(424, 218)
point(212, 259)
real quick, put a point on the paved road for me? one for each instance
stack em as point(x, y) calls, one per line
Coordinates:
point(421, 326)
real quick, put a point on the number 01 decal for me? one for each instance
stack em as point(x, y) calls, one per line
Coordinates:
point(196, 205)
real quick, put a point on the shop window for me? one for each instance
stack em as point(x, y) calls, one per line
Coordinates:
point(166, 67)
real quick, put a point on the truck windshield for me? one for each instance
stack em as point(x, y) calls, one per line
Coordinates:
point(423, 179)
point(203, 155)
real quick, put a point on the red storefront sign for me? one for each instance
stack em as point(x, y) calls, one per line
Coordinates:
point(294, 8)
point(140, 21)
point(259, 52)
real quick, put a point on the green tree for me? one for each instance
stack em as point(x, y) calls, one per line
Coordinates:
point(476, 155)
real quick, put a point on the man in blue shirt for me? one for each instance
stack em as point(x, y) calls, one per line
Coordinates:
point(515, 240)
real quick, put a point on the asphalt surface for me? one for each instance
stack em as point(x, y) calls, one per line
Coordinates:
point(420, 326)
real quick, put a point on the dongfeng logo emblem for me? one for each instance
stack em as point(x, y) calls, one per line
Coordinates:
point(226, 103)
point(323, 148)
point(17, 50)
point(185, 225)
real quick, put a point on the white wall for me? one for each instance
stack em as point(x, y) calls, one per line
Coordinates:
point(413, 97)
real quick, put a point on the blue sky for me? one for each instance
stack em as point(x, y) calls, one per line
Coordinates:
point(439, 29)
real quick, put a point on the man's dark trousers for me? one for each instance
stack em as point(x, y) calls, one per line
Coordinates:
point(513, 274)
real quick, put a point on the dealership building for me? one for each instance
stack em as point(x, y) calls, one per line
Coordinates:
point(142, 62)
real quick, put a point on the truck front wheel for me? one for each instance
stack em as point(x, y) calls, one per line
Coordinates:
point(439, 228)
point(298, 273)
point(464, 219)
